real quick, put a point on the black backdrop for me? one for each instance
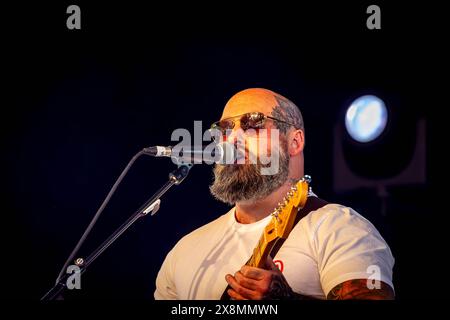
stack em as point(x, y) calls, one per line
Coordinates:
point(81, 103)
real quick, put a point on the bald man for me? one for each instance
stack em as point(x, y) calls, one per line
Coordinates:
point(331, 253)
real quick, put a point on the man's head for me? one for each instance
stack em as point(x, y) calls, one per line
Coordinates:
point(245, 182)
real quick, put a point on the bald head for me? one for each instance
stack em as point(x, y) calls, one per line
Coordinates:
point(267, 102)
point(260, 181)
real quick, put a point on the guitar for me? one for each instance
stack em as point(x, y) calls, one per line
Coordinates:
point(279, 227)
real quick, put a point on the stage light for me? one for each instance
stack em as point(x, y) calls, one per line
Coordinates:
point(396, 155)
point(366, 118)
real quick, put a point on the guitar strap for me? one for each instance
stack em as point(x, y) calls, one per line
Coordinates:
point(312, 203)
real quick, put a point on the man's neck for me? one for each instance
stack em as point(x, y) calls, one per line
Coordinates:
point(249, 212)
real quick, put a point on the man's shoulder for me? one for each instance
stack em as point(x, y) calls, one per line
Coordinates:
point(334, 215)
point(333, 210)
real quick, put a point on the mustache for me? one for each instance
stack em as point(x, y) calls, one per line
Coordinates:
point(245, 182)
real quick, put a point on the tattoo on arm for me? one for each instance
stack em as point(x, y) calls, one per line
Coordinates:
point(358, 289)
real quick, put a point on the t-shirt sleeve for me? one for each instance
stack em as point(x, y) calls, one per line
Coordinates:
point(165, 287)
point(349, 247)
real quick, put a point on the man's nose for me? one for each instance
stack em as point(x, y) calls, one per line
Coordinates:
point(236, 136)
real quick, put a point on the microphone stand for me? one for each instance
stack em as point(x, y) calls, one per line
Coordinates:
point(151, 205)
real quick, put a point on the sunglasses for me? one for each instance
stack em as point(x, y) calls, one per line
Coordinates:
point(251, 120)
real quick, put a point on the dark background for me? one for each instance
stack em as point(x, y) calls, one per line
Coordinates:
point(80, 103)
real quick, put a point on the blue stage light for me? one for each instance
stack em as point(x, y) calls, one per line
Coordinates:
point(366, 118)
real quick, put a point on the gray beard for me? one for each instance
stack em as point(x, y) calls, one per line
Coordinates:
point(244, 182)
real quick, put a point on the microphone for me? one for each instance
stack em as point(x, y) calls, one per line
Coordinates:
point(222, 153)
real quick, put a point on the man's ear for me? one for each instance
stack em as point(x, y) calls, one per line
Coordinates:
point(296, 142)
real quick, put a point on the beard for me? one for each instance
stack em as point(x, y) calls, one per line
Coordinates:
point(244, 182)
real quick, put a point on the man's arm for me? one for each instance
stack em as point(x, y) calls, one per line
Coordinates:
point(358, 289)
point(165, 288)
point(258, 284)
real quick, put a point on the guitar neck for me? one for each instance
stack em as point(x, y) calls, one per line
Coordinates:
point(260, 253)
point(268, 240)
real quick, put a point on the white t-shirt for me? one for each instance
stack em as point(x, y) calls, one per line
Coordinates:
point(327, 247)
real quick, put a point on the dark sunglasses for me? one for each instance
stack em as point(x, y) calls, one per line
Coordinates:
point(251, 120)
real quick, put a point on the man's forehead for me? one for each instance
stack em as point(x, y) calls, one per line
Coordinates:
point(234, 108)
